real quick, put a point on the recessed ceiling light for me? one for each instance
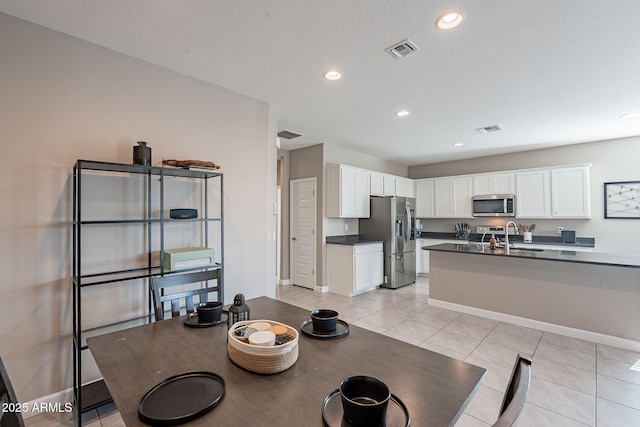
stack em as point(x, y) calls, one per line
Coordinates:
point(458, 144)
point(332, 75)
point(449, 20)
point(629, 115)
point(402, 113)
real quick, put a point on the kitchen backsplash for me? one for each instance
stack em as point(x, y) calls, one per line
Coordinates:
point(544, 227)
point(340, 226)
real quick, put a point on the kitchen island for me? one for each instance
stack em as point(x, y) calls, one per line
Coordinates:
point(587, 295)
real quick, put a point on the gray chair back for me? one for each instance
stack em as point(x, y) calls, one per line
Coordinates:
point(159, 286)
point(10, 417)
point(516, 394)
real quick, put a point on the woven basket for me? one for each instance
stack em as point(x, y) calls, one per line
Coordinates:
point(263, 359)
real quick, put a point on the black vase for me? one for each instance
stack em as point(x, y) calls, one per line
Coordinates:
point(142, 154)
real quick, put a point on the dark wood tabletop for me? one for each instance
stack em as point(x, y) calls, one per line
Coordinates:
point(435, 388)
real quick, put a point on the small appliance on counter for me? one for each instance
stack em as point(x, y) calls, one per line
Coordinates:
point(569, 236)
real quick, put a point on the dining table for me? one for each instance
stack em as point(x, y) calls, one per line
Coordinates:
point(434, 388)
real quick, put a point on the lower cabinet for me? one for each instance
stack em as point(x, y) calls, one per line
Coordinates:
point(354, 269)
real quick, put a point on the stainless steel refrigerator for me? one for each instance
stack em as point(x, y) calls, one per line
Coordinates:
point(393, 221)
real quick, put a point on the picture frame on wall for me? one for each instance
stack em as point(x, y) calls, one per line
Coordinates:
point(622, 200)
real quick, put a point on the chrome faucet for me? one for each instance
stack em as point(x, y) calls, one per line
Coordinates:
point(506, 234)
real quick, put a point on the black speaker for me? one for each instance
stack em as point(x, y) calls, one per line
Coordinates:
point(183, 213)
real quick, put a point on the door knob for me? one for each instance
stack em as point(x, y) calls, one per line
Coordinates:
point(293, 238)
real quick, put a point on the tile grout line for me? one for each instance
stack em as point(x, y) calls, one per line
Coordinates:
point(595, 410)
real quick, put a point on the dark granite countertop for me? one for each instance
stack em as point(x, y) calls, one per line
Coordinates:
point(599, 258)
point(583, 242)
point(351, 239)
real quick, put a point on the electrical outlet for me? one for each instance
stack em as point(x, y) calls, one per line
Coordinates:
point(346, 227)
point(560, 230)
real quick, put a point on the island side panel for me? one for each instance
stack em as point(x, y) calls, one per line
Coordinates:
point(596, 298)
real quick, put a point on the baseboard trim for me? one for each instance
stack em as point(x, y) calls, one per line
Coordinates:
point(285, 282)
point(543, 326)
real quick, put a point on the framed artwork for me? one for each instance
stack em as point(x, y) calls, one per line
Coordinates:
point(622, 200)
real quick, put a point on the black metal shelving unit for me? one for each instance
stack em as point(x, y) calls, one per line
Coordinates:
point(93, 395)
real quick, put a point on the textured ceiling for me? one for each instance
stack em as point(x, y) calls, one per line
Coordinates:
point(549, 72)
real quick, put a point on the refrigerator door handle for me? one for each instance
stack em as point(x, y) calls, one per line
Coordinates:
point(407, 234)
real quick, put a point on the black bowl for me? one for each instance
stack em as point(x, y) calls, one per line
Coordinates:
point(210, 311)
point(324, 320)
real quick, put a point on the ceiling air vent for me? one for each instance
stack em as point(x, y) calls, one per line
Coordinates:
point(287, 134)
point(402, 49)
point(489, 129)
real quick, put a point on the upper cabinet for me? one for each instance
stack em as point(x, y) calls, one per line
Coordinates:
point(558, 192)
point(377, 184)
point(553, 192)
point(570, 192)
point(389, 185)
point(404, 187)
point(348, 190)
point(452, 197)
point(424, 198)
point(533, 194)
point(494, 183)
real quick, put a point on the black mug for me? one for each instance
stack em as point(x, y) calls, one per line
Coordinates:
point(364, 401)
point(210, 311)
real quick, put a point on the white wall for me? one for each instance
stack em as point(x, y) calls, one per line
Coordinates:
point(613, 160)
point(65, 99)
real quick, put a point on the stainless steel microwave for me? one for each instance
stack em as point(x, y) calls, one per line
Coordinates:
point(494, 205)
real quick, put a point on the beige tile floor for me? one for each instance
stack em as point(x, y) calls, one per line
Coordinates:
point(574, 382)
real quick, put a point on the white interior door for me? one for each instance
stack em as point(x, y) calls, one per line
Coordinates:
point(303, 232)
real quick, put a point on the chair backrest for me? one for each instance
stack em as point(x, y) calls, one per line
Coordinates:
point(516, 394)
point(159, 284)
point(9, 417)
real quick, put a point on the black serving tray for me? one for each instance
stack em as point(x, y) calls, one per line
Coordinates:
point(181, 398)
point(342, 329)
point(332, 412)
point(192, 321)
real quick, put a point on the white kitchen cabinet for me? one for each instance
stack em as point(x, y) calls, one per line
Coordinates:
point(354, 269)
point(452, 197)
point(389, 182)
point(533, 199)
point(404, 187)
point(348, 191)
point(424, 198)
point(377, 184)
point(570, 192)
point(495, 183)
point(558, 192)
